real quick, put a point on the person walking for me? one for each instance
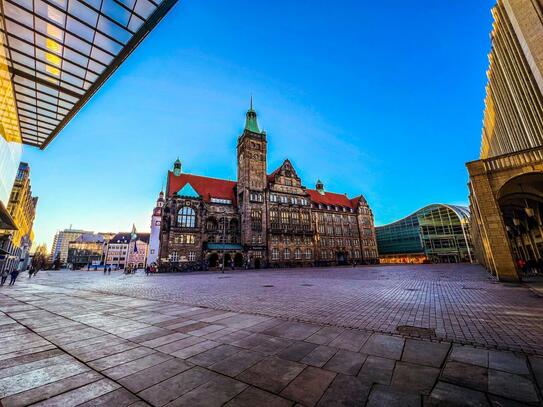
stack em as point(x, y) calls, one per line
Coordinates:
point(30, 272)
point(4, 275)
point(109, 270)
point(14, 275)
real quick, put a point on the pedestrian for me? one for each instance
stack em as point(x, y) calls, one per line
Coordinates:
point(14, 275)
point(109, 270)
point(147, 270)
point(5, 275)
point(105, 269)
point(232, 264)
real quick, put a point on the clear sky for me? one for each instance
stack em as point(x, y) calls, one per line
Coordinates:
point(380, 98)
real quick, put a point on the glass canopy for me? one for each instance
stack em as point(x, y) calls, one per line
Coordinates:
point(59, 52)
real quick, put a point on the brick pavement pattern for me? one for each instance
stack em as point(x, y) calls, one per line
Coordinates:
point(367, 336)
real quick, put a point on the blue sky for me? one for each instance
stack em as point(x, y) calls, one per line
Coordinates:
point(379, 98)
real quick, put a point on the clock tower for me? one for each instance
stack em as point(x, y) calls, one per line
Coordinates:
point(252, 184)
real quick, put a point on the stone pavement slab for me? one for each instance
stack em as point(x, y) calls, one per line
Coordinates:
point(345, 391)
point(253, 396)
point(425, 352)
point(377, 370)
point(308, 387)
point(272, 374)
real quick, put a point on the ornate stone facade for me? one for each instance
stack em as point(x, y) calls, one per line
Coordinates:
point(261, 220)
point(506, 183)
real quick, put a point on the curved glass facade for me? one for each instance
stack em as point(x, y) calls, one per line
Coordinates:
point(437, 233)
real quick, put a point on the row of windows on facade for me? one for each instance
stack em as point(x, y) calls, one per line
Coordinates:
point(186, 217)
point(339, 242)
point(307, 254)
point(174, 257)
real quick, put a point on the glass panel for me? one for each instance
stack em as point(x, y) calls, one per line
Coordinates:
point(81, 11)
point(115, 11)
point(108, 27)
point(144, 8)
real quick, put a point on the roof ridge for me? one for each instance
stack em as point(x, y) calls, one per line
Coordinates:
point(203, 176)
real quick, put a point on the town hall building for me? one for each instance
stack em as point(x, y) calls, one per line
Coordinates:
point(262, 220)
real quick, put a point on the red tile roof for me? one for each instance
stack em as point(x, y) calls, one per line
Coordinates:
point(206, 187)
point(331, 198)
point(209, 188)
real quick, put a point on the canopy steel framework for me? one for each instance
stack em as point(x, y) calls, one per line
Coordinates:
point(59, 52)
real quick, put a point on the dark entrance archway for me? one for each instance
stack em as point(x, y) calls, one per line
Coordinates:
point(257, 263)
point(521, 203)
point(341, 257)
point(238, 260)
point(227, 259)
point(213, 260)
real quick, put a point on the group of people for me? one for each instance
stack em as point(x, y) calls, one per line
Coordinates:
point(14, 274)
point(150, 269)
point(532, 267)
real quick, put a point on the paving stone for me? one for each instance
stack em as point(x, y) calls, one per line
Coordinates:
point(319, 356)
point(213, 393)
point(511, 386)
point(148, 377)
point(346, 362)
point(297, 351)
point(119, 358)
point(206, 330)
point(377, 370)
point(164, 339)
point(168, 390)
point(508, 362)
point(462, 374)
point(190, 351)
point(497, 401)
point(28, 380)
point(253, 397)
point(414, 378)
point(180, 344)
point(39, 393)
point(325, 335)
point(308, 387)
point(385, 346)
point(118, 398)
point(214, 355)
point(350, 340)
point(293, 330)
point(537, 367)
point(425, 352)
point(271, 374)
point(345, 391)
point(237, 363)
point(34, 365)
point(382, 396)
point(468, 354)
point(446, 394)
point(80, 395)
point(135, 366)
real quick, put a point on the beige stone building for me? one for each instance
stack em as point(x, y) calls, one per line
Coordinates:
point(506, 183)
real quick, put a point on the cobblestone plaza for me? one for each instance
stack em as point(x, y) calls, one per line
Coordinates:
point(375, 336)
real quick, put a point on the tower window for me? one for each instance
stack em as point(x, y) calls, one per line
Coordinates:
point(256, 220)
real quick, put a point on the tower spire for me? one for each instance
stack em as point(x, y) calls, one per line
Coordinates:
point(251, 123)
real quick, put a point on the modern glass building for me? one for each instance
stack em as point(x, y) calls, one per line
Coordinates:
point(437, 233)
point(54, 55)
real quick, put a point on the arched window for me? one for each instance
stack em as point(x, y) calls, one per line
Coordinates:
point(186, 217)
point(286, 254)
point(275, 254)
point(211, 224)
point(308, 254)
point(298, 254)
